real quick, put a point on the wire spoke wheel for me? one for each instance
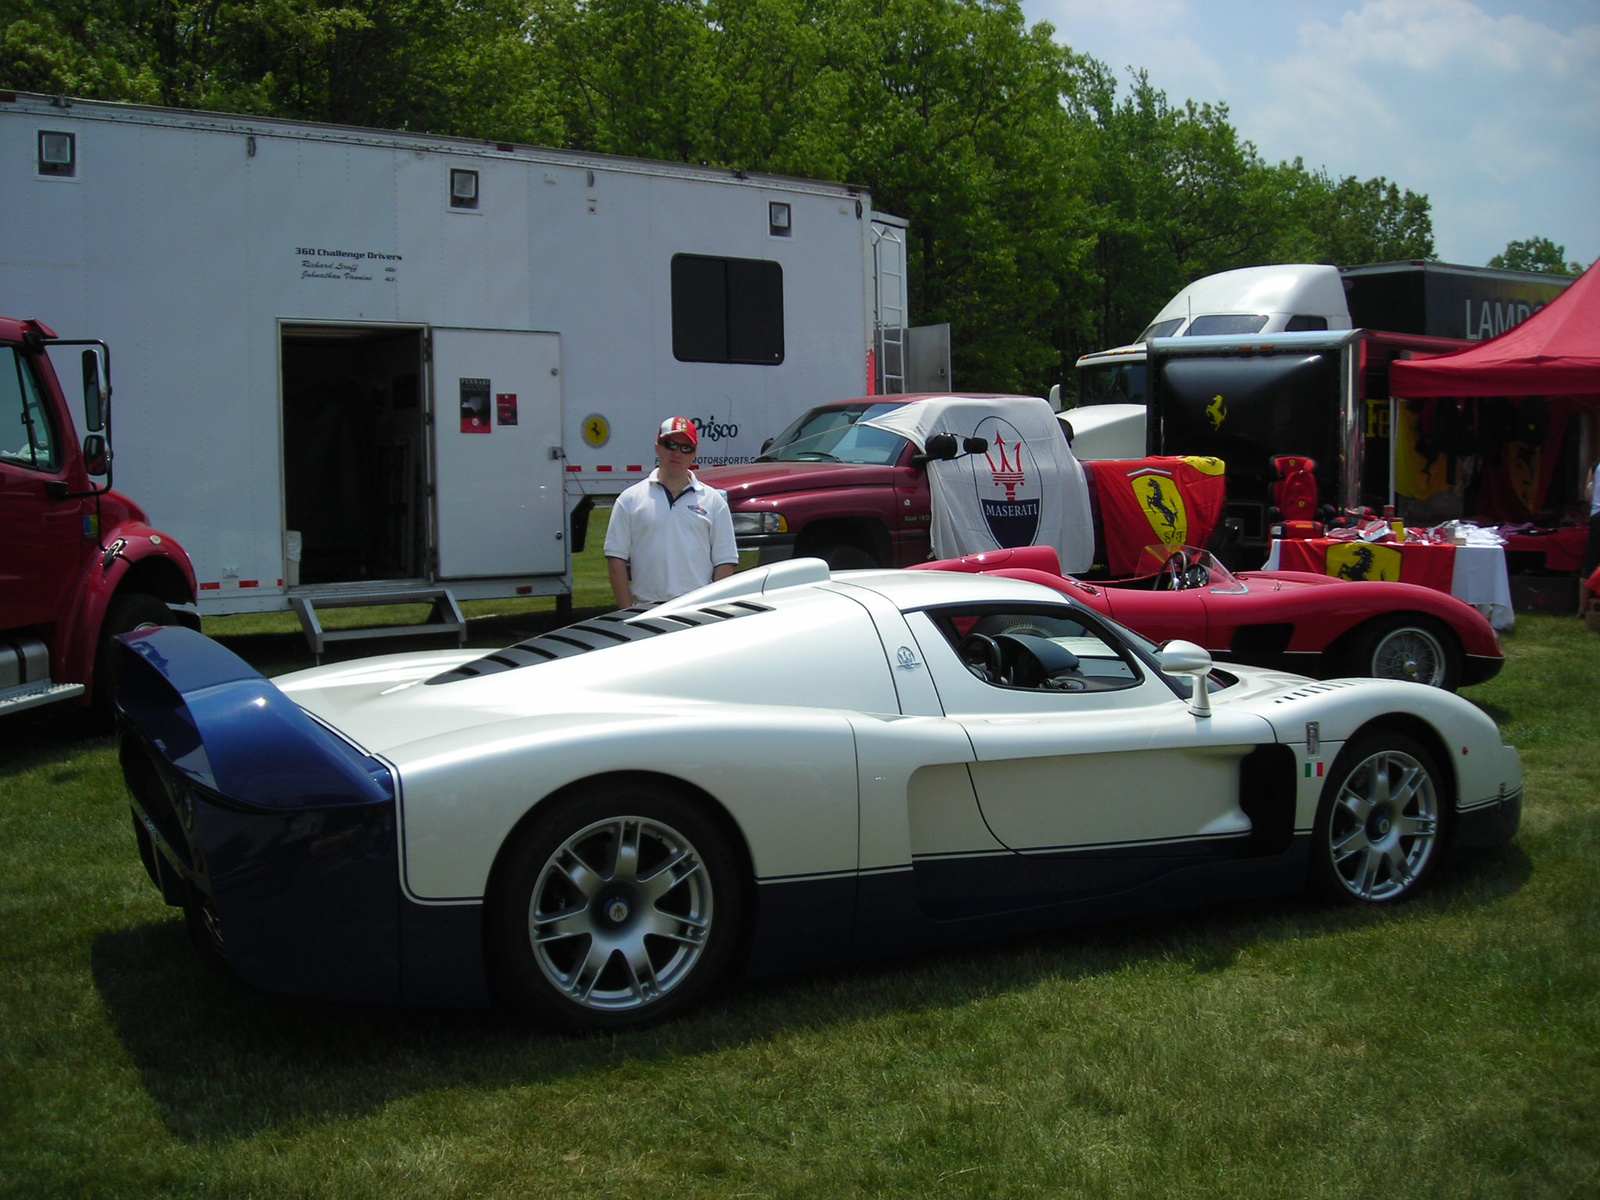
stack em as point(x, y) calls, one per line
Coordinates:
point(1410, 653)
point(1414, 650)
point(1380, 823)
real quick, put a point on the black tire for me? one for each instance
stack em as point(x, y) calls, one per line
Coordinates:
point(205, 931)
point(1380, 824)
point(1408, 647)
point(126, 613)
point(841, 556)
point(625, 943)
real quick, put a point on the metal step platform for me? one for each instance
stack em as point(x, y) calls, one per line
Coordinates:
point(444, 616)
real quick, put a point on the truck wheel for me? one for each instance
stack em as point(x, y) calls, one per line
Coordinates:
point(134, 610)
point(615, 908)
point(841, 556)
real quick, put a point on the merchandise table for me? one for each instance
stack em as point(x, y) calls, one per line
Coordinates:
point(1558, 549)
point(1475, 573)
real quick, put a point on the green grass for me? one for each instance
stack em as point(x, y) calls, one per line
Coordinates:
point(1446, 1048)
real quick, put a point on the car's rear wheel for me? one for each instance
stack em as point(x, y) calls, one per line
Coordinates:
point(618, 907)
point(1380, 823)
point(1410, 648)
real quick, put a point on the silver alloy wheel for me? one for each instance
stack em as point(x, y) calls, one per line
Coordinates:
point(1412, 653)
point(1384, 826)
point(620, 914)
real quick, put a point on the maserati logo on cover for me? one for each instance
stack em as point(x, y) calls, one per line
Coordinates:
point(1007, 481)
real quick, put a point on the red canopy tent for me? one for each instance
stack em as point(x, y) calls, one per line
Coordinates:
point(1545, 370)
point(1555, 352)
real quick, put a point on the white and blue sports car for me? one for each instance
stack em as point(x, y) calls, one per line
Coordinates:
point(783, 770)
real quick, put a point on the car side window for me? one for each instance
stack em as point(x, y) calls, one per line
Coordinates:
point(1037, 650)
point(27, 435)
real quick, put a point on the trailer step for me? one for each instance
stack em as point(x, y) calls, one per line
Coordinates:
point(32, 695)
point(444, 616)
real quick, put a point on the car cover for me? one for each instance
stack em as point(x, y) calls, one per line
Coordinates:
point(1026, 489)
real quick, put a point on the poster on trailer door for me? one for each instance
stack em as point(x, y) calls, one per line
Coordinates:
point(475, 406)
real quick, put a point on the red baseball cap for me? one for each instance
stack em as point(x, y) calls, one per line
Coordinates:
point(679, 425)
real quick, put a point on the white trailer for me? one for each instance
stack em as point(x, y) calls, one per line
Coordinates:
point(410, 361)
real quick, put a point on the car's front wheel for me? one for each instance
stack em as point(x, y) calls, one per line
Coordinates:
point(617, 907)
point(1410, 648)
point(1380, 822)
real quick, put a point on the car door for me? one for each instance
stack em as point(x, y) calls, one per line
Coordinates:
point(1087, 766)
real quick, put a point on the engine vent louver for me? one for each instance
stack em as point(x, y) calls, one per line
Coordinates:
point(1313, 689)
point(613, 629)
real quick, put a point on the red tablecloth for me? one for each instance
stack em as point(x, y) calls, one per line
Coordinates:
point(1428, 563)
point(1562, 548)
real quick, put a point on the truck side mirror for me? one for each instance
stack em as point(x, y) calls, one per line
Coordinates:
point(96, 460)
point(943, 447)
point(94, 396)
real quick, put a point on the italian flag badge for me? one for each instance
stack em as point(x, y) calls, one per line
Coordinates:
point(1314, 769)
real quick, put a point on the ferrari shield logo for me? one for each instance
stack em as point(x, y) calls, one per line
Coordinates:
point(1006, 478)
point(1362, 561)
point(1162, 506)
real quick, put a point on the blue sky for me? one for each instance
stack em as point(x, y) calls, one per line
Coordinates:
point(1491, 108)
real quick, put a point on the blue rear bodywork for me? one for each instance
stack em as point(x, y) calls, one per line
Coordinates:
point(278, 834)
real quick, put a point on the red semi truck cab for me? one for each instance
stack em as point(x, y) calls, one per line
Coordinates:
point(831, 487)
point(79, 562)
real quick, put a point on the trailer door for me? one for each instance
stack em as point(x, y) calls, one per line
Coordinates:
point(497, 486)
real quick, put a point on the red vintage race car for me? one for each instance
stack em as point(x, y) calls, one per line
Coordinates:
point(1310, 624)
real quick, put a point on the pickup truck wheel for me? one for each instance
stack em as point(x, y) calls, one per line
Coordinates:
point(841, 556)
point(135, 610)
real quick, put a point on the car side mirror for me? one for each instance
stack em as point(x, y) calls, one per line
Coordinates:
point(1179, 657)
point(96, 460)
point(975, 445)
point(767, 445)
point(94, 394)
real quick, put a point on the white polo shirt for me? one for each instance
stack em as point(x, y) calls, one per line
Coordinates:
point(671, 546)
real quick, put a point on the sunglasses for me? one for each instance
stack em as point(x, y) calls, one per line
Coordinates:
point(677, 447)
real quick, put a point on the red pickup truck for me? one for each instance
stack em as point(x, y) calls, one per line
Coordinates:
point(831, 487)
point(79, 563)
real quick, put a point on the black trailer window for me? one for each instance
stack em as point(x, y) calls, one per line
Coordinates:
point(727, 310)
point(27, 438)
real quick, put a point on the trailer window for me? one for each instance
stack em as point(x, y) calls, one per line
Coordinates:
point(27, 438)
point(727, 310)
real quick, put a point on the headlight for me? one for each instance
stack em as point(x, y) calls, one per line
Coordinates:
point(747, 524)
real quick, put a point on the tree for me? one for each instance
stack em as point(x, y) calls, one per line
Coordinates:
point(1538, 254)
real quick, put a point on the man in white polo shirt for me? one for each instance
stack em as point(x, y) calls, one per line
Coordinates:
point(669, 533)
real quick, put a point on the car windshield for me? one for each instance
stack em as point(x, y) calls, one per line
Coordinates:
point(837, 435)
point(1190, 567)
